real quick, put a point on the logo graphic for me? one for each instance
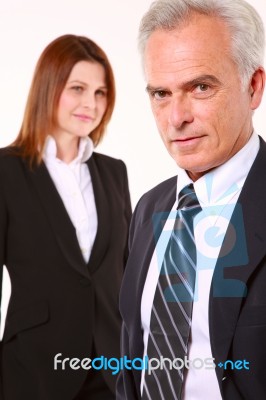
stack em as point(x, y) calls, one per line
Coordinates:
point(220, 238)
point(115, 365)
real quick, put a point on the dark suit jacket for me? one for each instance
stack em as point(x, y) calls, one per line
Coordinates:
point(59, 304)
point(237, 304)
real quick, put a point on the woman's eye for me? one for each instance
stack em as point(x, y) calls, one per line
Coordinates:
point(101, 93)
point(77, 88)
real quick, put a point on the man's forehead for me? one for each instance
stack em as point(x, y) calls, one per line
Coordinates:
point(181, 70)
point(189, 50)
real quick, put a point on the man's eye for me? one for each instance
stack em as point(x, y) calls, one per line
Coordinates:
point(159, 94)
point(202, 87)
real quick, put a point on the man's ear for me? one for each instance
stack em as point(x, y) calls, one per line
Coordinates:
point(256, 88)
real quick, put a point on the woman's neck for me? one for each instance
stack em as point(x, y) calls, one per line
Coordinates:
point(67, 149)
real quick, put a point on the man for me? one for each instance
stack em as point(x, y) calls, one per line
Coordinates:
point(203, 66)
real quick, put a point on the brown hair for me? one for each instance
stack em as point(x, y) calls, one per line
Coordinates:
point(50, 76)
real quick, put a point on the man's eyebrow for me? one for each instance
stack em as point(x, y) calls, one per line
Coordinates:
point(207, 79)
point(150, 88)
point(203, 79)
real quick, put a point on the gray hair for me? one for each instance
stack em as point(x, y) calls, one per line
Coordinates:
point(243, 21)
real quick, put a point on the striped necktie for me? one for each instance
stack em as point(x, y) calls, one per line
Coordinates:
point(173, 302)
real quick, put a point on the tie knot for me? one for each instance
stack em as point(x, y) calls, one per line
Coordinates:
point(187, 198)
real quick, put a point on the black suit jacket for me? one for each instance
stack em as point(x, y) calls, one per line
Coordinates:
point(237, 303)
point(59, 304)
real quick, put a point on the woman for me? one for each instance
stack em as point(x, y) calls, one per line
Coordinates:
point(64, 216)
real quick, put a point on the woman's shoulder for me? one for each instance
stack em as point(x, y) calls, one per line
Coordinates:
point(107, 161)
point(110, 169)
point(9, 152)
point(9, 157)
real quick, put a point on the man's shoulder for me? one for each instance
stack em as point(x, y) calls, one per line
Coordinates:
point(161, 189)
point(159, 198)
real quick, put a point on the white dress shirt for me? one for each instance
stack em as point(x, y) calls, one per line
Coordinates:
point(217, 192)
point(74, 185)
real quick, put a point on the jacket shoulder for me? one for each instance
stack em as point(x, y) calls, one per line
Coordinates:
point(160, 189)
point(159, 199)
point(165, 190)
point(103, 159)
point(156, 202)
point(8, 156)
point(108, 167)
point(7, 152)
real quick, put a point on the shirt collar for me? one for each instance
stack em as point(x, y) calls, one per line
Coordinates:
point(85, 150)
point(221, 184)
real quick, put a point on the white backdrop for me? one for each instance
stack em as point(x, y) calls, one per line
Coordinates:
point(27, 26)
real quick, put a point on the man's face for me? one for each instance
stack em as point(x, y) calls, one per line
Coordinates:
point(203, 113)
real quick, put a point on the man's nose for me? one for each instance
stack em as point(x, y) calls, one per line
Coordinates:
point(180, 111)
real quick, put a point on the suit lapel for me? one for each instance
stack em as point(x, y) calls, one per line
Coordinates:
point(229, 284)
point(58, 218)
point(101, 242)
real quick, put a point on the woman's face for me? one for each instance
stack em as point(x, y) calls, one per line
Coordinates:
point(83, 101)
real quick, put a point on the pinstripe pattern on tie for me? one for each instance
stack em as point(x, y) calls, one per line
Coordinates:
point(172, 305)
